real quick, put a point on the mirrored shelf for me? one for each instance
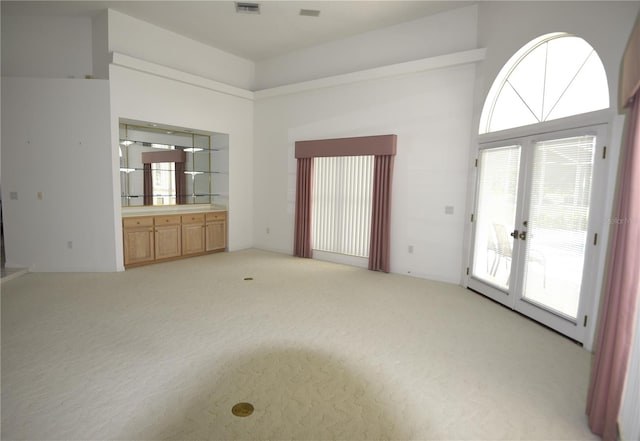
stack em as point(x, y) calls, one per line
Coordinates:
point(188, 149)
point(132, 196)
point(165, 166)
point(191, 173)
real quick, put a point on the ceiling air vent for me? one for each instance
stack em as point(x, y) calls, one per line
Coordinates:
point(310, 12)
point(247, 8)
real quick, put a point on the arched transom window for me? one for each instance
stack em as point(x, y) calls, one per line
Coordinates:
point(554, 76)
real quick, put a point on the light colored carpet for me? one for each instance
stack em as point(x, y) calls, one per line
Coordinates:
point(323, 351)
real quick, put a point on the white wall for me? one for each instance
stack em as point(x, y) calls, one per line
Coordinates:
point(56, 140)
point(39, 110)
point(431, 114)
point(46, 47)
point(429, 111)
point(145, 41)
point(440, 34)
point(146, 97)
point(100, 45)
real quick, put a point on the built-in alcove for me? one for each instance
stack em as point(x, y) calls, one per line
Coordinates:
point(163, 165)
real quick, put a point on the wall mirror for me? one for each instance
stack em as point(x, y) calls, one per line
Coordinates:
point(163, 165)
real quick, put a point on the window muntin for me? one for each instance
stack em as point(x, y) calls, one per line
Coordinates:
point(554, 76)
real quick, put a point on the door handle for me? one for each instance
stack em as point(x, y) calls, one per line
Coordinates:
point(514, 234)
point(523, 235)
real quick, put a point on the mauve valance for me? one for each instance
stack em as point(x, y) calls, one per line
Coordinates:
point(380, 145)
point(631, 67)
point(168, 156)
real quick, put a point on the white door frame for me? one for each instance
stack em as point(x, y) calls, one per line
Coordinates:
point(601, 206)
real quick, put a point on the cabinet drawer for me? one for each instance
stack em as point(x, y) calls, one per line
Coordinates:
point(133, 222)
point(216, 215)
point(168, 220)
point(196, 218)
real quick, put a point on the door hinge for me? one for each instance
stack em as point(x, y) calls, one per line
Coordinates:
point(584, 323)
point(471, 217)
point(595, 239)
point(476, 162)
point(467, 271)
point(604, 152)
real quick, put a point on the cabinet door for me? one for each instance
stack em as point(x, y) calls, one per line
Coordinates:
point(168, 241)
point(192, 239)
point(216, 235)
point(138, 245)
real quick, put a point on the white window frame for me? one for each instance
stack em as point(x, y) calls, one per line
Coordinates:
point(505, 72)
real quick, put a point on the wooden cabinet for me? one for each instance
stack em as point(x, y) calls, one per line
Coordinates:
point(168, 237)
point(138, 240)
point(216, 231)
point(193, 234)
point(148, 239)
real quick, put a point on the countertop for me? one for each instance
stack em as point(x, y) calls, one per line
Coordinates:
point(170, 209)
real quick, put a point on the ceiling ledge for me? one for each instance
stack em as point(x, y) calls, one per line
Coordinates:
point(159, 70)
point(421, 65)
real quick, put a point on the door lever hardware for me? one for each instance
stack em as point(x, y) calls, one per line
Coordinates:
point(514, 234)
point(523, 235)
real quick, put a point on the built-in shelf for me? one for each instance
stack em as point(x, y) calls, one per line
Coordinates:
point(188, 149)
point(166, 161)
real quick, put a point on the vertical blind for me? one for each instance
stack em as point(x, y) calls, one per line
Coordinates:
point(342, 195)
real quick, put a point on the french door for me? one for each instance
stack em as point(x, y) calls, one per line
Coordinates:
point(538, 212)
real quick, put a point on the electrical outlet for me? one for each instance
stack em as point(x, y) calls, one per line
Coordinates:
point(268, 230)
point(40, 195)
point(448, 209)
point(13, 195)
point(70, 244)
point(410, 249)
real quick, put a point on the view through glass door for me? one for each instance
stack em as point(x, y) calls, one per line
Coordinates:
point(495, 216)
point(532, 235)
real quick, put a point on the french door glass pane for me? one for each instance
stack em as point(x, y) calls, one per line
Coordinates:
point(557, 224)
point(496, 211)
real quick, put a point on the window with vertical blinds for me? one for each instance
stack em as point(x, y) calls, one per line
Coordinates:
point(342, 197)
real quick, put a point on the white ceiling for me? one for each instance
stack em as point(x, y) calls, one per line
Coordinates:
point(277, 30)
